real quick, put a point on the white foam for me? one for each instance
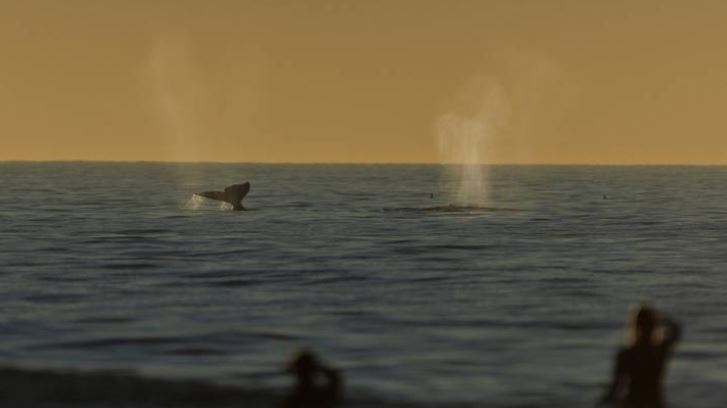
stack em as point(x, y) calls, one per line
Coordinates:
point(194, 203)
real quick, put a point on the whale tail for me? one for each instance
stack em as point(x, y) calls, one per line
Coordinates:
point(232, 195)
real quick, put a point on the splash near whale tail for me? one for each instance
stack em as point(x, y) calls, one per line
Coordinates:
point(232, 195)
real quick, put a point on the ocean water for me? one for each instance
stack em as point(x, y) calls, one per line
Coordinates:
point(115, 267)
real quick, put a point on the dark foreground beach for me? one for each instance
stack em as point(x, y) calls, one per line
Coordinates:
point(50, 389)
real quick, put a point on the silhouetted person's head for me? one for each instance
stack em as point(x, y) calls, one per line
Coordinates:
point(316, 385)
point(644, 324)
point(304, 366)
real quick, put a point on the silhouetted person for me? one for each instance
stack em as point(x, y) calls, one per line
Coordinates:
point(640, 367)
point(317, 386)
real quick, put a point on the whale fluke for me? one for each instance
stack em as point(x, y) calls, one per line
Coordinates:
point(232, 194)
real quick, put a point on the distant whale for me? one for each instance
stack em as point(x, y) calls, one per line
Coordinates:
point(232, 194)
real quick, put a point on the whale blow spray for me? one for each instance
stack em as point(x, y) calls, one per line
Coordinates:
point(177, 93)
point(465, 132)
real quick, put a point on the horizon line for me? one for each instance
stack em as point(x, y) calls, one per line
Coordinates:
point(367, 163)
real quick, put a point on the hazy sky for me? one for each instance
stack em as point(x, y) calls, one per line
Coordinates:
point(532, 81)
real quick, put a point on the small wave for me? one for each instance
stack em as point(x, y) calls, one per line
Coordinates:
point(337, 279)
point(452, 208)
point(58, 278)
point(105, 320)
point(428, 279)
point(196, 351)
point(116, 342)
point(144, 231)
point(56, 298)
point(120, 239)
point(429, 249)
point(297, 204)
point(234, 283)
point(130, 265)
point(461, 208)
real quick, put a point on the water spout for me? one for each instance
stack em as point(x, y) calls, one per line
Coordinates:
point(465, 133)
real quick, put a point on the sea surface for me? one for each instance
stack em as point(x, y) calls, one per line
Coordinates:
point(117, 282)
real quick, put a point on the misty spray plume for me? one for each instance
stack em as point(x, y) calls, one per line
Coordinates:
point(500, 118)
point(177, 100)
point(478, 112)
point(177, 94)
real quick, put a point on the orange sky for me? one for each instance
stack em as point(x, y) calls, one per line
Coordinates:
point(557, 81)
